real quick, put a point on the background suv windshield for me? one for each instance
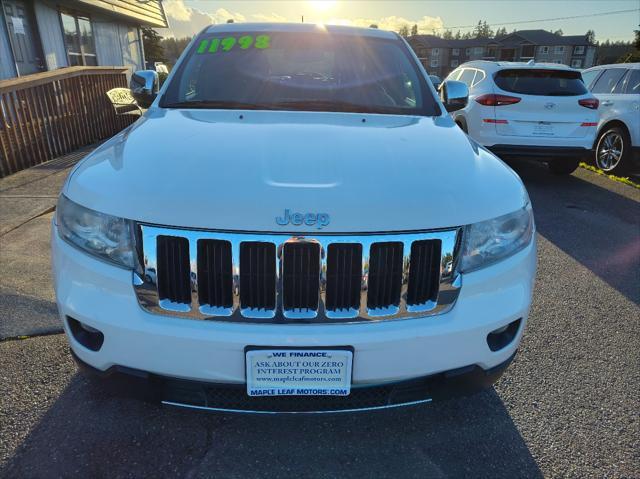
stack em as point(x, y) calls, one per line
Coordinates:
point(300, 71)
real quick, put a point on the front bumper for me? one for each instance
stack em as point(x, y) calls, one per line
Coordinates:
point(101, 296)
point(233, 398)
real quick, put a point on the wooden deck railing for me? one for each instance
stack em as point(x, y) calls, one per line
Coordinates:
point(50, 114)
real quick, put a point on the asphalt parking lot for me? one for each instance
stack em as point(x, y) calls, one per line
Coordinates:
point(567, 407)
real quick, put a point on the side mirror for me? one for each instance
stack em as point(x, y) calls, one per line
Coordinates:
point(454, 95)
point(144, 87)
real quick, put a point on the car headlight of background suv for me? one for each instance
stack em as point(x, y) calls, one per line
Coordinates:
point(108, 237)
point(490, 241)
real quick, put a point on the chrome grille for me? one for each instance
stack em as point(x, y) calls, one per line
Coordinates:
point(284, 278)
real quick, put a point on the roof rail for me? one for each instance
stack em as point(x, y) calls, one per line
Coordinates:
point(531, 62)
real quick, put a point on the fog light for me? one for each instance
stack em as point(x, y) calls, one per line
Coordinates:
point(502, 337)
point(89, 337)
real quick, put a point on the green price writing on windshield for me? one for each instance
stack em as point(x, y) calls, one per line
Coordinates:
point(216, 45)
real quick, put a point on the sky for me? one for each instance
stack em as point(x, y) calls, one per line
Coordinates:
point(188, 17)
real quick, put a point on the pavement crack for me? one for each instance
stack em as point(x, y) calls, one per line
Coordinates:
point(42, 213)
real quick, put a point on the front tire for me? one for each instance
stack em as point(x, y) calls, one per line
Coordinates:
point(562, 166)
point(613, 150)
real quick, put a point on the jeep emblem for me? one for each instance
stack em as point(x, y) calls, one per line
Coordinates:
point(320, 220)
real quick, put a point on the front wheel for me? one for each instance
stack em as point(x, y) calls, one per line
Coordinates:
point(613, 150)
point(562, 166)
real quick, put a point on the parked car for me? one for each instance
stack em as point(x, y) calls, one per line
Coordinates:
point(436, 80)
point(617, 148)
point(297, 216)
point(529, 110)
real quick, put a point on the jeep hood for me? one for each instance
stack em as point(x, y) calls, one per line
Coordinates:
point(239, 170)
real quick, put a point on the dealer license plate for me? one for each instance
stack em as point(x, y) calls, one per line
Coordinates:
point(299, 372)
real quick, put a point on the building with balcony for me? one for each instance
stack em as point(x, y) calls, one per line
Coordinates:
point(43, 35)
point(440, 56)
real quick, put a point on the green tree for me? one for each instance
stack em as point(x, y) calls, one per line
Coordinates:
point(500, 32)
point(458, 35)
point(404, 31)
point(152, 42)
point(559, 32)
point(591, 36)
point(414, 29)
point(636, 42)
point(447, 35)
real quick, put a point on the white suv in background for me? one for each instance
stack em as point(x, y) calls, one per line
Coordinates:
point(529, 110)
point(618, 89)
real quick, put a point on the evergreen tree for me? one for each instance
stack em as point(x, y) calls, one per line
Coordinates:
point(591, 36)
point(404, 31)
point(414, 29)
point(152, 42)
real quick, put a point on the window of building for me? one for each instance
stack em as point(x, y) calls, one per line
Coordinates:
point(434, 62)
point(544, 50)
point(435, 52)
point(467, 51)
point(454, 63)
point(455, 52)
point(578, 50)
point(559, 62)
point(491, 52)
point(576, 63)
point(558, 50)
point(78, 40)
point(478, 50)
point(528, 51)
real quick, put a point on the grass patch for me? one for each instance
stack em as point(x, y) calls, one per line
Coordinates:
point(619, 179)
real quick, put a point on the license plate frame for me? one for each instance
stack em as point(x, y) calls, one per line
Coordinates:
point(277, 385)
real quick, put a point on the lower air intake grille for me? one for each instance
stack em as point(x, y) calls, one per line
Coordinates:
point(215, 281)
point(344, 276)
point(174, 280)
point(385, 275)
point(424, 272)
point(258, 275)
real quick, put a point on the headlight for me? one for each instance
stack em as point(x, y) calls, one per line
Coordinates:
point(107, 237)
point(496, 239)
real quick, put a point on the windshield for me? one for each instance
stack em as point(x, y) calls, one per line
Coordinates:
point(300, 71)
point(541, 82)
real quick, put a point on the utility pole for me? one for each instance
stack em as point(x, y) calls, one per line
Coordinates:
point(302, 18)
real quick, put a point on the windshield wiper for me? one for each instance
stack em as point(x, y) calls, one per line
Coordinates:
point(217, 104)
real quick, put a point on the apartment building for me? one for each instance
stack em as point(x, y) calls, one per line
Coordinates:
point(440, 56)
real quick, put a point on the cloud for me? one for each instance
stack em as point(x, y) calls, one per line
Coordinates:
point(185, 21)
point(425, 24)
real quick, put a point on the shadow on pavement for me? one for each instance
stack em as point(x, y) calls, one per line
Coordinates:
point(596, 226)
point(90, 433)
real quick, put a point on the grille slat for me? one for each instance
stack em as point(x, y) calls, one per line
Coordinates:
point(257, 275)
point(385, 275)
point(174, 281)
point(215, 281)
point(300, 276)
point(424, 272)
point(344, 276)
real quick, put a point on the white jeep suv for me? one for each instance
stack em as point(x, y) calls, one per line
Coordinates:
point(296, 224)
point(529, 110)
